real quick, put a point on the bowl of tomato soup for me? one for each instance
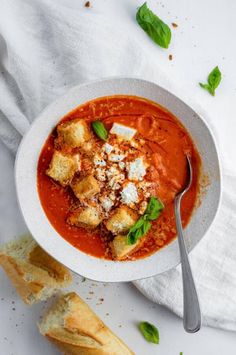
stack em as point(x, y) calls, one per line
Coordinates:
point(101, 167)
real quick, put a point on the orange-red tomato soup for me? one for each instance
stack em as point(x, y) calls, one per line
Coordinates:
point(168, 141)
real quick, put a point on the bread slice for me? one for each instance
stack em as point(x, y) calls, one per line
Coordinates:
point(77, 330)
point(34, 273)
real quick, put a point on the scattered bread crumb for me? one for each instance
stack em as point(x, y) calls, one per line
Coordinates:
point(170, 56)
point(87, 4)
point(174, 24)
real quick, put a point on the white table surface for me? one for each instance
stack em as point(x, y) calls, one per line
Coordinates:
point(205, 37)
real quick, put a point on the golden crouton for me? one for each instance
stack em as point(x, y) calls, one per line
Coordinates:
point(122, 220)
point(63, 167)
point(86, 187)
point(88, 217)
point(120, 248)
point(74, 133)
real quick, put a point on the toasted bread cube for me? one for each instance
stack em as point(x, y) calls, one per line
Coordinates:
point(63, 167)
point(86, 187)
point(120, 248)
point(88, 217)
point(74, 133)
point(122, 220)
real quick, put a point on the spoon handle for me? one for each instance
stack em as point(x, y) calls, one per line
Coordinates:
point(192, 312)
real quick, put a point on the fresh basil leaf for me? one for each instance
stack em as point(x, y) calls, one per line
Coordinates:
point(181, 353)
point(213, 81)
point(135, 232)
point(143, 225)
point(149, 331)
point(154, 208)
point(159, 32)
point(100, 130)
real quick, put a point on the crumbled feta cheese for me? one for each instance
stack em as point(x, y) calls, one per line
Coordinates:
point(136, 169)
point(99, 161)
point(114, 183)
point(112, 171)
point(107, 203)
point(100, 174)
point(121, 165)
point(108, 148)
point(116, 157)
point(129, 194)
point(122, 131)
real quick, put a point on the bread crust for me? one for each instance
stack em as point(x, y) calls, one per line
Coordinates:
point(78, 330)
point(35, 274)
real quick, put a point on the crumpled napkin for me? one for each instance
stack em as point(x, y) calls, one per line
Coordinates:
point(57, 47)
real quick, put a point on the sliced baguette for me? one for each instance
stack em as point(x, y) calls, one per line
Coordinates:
point(35, 275)
point(77, 330)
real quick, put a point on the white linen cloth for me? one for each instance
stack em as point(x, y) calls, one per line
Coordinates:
point(47, 47)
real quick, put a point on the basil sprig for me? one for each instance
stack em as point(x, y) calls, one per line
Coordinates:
point(149, 331)
point(142, 226)
point(159, 32)
point(100, 130)
point(213, 81)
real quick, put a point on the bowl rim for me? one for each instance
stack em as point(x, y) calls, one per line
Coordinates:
point(191, 105)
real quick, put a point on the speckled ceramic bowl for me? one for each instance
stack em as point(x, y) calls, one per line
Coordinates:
point(59, 248)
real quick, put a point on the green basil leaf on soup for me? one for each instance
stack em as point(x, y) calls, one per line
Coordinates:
point(154, 208)
point(100, 130)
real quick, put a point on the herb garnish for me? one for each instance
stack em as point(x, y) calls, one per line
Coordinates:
point(149, 331)
point(142, 226)
point(100, 130)
point(159, 32)
point(213, 81)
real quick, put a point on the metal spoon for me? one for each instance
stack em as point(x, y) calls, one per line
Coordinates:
point(192, 312)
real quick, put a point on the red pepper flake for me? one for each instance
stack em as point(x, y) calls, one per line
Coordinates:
point(174, 24)
point(170, 56)
point(87, 4)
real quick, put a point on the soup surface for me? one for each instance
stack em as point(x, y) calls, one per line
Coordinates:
point(97, 181)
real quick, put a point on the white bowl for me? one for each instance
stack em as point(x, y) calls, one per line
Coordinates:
point(40, 227)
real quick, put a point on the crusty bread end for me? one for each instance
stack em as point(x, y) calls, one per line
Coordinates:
point(35, 274)
point(77, 330)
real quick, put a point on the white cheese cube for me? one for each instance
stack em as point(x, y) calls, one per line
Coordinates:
point(129, 194)
point(116, 157)
point(136, 169)
point(108, 148)
point(107, 203)
point(122, 131)
point(98, 161)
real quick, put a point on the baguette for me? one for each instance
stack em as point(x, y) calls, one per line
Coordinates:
point(35, 274)
point(76, 329)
